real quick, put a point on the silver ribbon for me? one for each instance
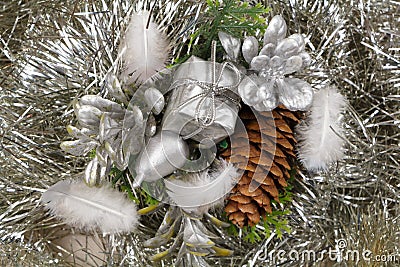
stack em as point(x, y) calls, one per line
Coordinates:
point(210, 91)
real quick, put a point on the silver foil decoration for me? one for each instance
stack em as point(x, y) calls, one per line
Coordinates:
point(98, 168)
point(203, 104)
point(279, 57)
point(155, 99)
point(115, 132)
point(50, 58)
point(250, 48)
point(165, 153)
point(231, 45)
point(190, 238)
point(115, 90)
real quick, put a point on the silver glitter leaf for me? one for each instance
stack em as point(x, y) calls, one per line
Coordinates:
point(132, 142)
point(108, 127)
point(78, 147)
point(190, 258)
point(268, 50)
point(287, 48)
point(299, 39)
point(275, 31)
point(165, 232)
point(295, 94)
point(268, 94)
point(250, 48)
point(154, 99)
point(116, 154)
point(88, 116)
point(248, 91)
point(276, 63)
point(115, 90)
point(259, 63)
point(157, 241)
point(133, 132)
point(102, 156)
point(201, 228)
point(258, 93)
point(194, 237)
point(306, 58)
point(293, 64)
point(102, 104)
point(95, 172)
point(170, 225)
point(230, 44)
point(83, 134)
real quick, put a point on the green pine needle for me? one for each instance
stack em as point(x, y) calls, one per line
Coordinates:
point(233, 230)
point(130, 194)
point(223, 144)
point(251, 234)
point(231, 16)
point(147, 198)
point(92, 154)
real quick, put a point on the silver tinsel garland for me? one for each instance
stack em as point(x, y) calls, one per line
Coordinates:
point(52, 52)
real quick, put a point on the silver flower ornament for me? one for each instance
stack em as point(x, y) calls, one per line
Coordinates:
point(279, 57)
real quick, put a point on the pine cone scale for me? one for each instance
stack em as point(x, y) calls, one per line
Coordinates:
point(264, 152)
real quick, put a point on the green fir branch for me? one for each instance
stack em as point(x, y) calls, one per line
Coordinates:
point(234, 17)
point(251, 234)
point(140, 196)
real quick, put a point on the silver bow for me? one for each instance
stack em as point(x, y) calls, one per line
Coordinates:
point(211, 90)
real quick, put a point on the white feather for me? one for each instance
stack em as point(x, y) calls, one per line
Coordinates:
point(201, 191)
point(319, 142)
point(91, 208)
point(145, 49)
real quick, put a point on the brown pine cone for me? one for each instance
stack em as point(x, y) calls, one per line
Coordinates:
point(264, 150)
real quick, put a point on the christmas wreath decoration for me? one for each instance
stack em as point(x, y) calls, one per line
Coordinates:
point(199, 120)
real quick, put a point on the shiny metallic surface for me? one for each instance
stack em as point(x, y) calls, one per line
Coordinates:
point(250, 48)
point(53, 52)
point(200, 108)
point(165, 153)
point(278, 58)
point(155, 99)
point(231, 45)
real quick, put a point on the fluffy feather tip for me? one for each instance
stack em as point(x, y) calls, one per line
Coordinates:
point(320, 141)
point(90, 208)
point(201, 191)
point(144, 48)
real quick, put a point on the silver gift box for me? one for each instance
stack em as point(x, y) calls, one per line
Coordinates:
point(189, 100)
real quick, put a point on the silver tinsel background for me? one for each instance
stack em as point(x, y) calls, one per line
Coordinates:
point(52, 52)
